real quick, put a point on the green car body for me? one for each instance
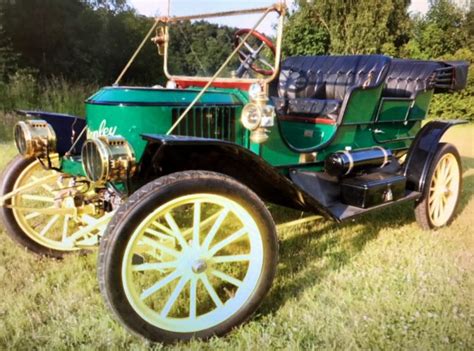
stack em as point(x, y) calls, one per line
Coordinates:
point(132, 112)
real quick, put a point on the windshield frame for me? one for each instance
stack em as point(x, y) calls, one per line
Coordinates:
point(279, 8)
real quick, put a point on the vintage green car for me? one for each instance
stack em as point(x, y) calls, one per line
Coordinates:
point(171, 182)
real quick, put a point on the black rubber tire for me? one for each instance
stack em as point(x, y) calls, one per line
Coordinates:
point(13, 230)
point(135, 210)
point(422, 206)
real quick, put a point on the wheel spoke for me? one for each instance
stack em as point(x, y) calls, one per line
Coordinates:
point(219, 246)
point(158, 234)
point(157, 245)
point(438, 208)
point(446, 168)
point(449, 178)
point(434, 205)
point(48, 226)
point(217, 224)
point(174, 296)
point(37, 198)
point(248, 46)
point(154, 266)
point(159, 285)
point(176, 231)
point(266, 63)
point(433, 198)
point(193, 298)
point(232, 258)
point(32, 215)
point(210, 290)
point(44, 186)
point(196, 224)
point(163, 228)
point(65, 228)
point(243, 53)
point(225, 277)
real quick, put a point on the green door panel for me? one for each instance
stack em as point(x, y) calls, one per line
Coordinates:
point(396, 131)
point(420, 109)
point(394, 109)
point(362, 106)
point(306, 136)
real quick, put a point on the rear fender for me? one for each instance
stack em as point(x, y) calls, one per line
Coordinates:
point(422, 152)
point(168, 154)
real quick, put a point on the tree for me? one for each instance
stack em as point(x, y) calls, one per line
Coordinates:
point(8, 58)
point(444, 30)
point(199, 48)
point(305, 33)
point(109, 5)
point(354, 26)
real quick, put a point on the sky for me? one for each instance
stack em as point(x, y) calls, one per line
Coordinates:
point(187, 7)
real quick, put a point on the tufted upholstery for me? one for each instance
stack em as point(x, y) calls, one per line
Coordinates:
point(408, 77)
point(317, 85)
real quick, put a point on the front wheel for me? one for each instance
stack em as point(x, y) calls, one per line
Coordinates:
point(43, 214)
point(442, 189)
point(189, 255)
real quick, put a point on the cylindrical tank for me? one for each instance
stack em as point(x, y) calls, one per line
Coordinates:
point(344, 163)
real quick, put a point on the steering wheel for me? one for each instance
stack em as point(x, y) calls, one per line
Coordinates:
point(250, 54)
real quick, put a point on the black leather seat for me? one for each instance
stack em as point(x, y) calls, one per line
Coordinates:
point(316, 86)
point(408, 77)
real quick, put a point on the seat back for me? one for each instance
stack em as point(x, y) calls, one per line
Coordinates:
point(408, 77)
point(330, 77)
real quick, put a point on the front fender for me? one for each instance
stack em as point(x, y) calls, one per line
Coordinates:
point(168, 154)
point(422, 151)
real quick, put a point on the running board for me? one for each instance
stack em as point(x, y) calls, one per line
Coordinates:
point(346, 212)
point(326, 191)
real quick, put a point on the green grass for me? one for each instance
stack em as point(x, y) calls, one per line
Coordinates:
point(378, 283)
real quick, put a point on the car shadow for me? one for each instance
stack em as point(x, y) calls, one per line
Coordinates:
point(334, 245)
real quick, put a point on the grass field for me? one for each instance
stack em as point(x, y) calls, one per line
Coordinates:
point(378, 283)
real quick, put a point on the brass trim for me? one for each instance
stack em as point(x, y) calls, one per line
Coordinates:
point(34, 138)
point(117, 159)
point(280, 8)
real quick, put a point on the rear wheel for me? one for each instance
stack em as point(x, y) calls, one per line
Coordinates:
point(189, 255)
point(442, 189)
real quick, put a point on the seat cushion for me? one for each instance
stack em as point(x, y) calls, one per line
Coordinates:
point(309, 107)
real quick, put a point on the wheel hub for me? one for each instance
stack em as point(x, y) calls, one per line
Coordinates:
point(199, 266)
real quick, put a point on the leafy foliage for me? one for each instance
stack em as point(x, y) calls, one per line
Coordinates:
point(8, 58)
point(353, 26)
point(87, 41)
point(444, 30)
point(84, 41)
point(459, 105)
point(306, 34)
point(201, 47)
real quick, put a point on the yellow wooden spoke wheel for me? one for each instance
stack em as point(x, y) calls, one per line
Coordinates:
point(193, 263)
point(45, 211)
point(442, 189)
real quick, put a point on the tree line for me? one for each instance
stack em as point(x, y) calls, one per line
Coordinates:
point(89, 41)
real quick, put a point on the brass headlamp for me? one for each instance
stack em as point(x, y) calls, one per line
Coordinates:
point(258, 116)
point(35, 138)
point(108, 159)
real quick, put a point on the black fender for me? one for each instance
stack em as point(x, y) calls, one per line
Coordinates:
point(67, 128)
point(169, 154)
point(422, 151)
